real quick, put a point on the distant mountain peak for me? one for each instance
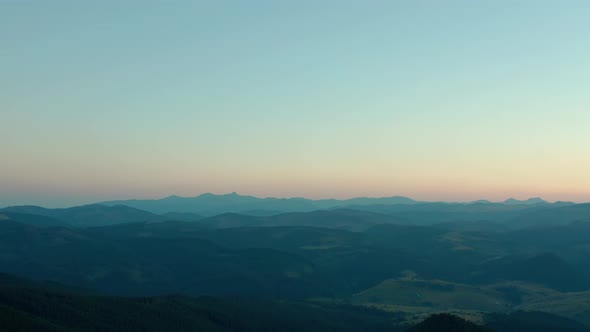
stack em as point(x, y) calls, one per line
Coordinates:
point(204, 195)
point(533, 200)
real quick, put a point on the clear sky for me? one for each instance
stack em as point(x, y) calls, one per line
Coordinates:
point(436, 100)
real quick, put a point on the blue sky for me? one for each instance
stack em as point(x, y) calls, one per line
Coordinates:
point(441, 100)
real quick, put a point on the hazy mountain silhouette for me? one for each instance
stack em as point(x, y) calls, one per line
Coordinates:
point(88, 215)
point(534, 200)
point(31, 219)
point(210, 204)
point(457, 213)
point(402, 209)
point(560, 215)
point(182, 216)
point(234, 210)
point(338, 218)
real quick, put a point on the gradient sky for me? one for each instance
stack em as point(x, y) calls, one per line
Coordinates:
point(436, 100)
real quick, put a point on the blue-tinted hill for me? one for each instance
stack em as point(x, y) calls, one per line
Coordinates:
point(210, 204)
point(81, 216)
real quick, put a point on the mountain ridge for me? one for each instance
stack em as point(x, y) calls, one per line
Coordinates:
point(209, 204)
point(87, 215)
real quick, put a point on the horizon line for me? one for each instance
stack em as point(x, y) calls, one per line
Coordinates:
point(234, 193)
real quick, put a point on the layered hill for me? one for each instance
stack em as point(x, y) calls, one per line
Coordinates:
point(81, 216)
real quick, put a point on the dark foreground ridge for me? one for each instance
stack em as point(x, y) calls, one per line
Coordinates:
point(33, 306)
point(447, 323)
point(25, 306)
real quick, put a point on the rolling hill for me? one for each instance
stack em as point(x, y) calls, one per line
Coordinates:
point(27, 306)
point(31, 219)
point(352, 220)
point(88, 215)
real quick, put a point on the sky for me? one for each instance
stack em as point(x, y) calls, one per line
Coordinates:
point(435, 100)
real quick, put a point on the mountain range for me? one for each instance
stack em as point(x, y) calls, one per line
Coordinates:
point(82, 216)
point(211, 204)
point(389, 263)
point(233, 210)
